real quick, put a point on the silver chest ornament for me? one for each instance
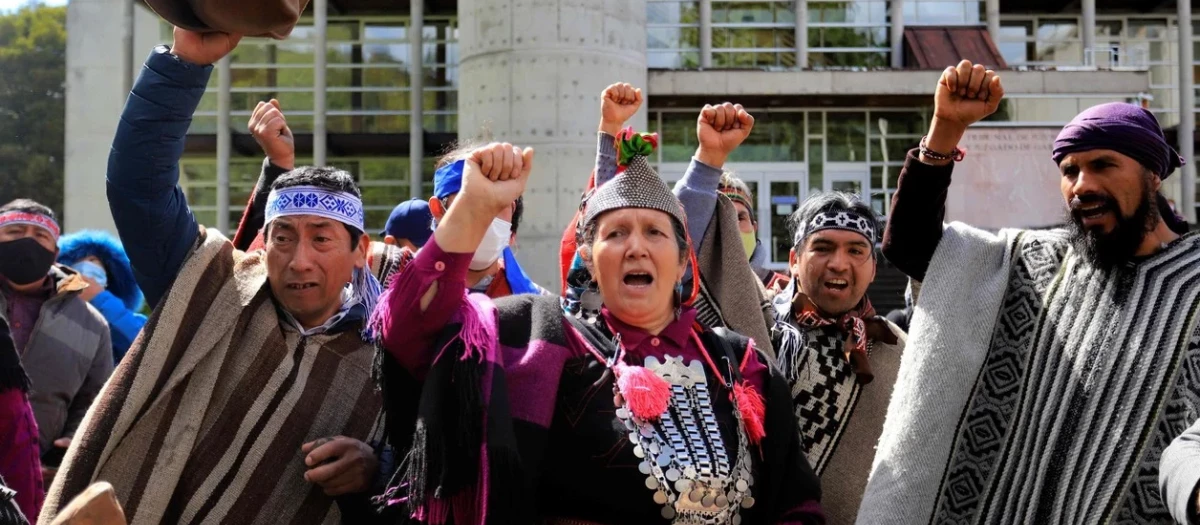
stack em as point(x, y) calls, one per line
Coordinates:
point(683, 455)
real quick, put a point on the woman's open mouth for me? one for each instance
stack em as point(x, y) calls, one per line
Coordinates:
point(637, 279)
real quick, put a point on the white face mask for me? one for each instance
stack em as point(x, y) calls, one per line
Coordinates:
point(492, 245)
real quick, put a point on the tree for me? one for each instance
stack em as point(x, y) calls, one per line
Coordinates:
point(33, 51)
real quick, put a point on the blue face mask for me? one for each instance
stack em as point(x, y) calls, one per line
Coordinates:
point(92, 271)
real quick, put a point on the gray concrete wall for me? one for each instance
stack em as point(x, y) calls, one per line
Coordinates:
point(903, 82)
point(95, 96)
point(531, 73)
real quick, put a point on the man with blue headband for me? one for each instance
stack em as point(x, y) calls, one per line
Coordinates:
point(494, 269)
point(248, 397)
point(1046, 371)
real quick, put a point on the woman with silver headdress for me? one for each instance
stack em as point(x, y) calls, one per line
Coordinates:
point(529, 415)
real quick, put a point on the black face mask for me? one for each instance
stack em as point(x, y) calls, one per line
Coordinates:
point(24, 261)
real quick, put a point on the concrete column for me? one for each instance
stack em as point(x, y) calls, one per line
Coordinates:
point(531, 73)
point(1187, 114)
point(1089, 32)
point(992, 11)
point(224, 141)
point(320, 51)
point(897, 16)
point(94, 100)
point(416, 82)
point(801, 34)
point(705, 34)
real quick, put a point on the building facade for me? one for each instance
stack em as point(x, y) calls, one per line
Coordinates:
point(840, 90)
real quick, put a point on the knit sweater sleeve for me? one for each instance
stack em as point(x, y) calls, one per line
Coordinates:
point(1179, 476)
point(606, 158)
point(697, 191)
point(914, 227)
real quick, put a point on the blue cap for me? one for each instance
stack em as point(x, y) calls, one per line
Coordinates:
point(410, 220)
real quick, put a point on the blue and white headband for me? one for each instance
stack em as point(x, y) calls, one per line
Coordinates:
point(837, 220)
point(311, 200)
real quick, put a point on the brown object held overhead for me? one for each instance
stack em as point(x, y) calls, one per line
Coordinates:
point(265, 18)
point(95, 506)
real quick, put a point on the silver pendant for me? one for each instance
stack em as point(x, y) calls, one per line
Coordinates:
point(684, 455)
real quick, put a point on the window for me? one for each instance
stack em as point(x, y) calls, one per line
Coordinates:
point(673, 34)
point(1016, 44)
point(754, 34)
point(366, 76)
point(943, 12)
point(848, 34)
point(777, 137)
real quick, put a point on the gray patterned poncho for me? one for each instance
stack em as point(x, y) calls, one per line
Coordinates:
point(1036, 388)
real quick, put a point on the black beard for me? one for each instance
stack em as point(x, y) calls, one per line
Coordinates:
point(1116, 248)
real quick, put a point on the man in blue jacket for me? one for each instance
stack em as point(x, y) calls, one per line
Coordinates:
point(248, 397)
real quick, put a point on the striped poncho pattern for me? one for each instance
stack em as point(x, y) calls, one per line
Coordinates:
point(204, 419)
point(1037, 388)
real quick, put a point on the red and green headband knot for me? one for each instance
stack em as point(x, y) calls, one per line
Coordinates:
point(632, 144)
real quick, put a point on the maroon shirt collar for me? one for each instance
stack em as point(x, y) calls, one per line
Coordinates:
point(677, 333)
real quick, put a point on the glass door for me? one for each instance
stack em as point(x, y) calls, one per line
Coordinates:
point(849, 178)
point(778, 188)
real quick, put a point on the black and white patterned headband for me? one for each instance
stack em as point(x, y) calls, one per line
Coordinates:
point(837, 220)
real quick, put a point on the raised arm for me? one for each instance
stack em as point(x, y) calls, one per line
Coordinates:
point(149, 208)
point(424, 297)
point(618, 103)
point(720, 129)
point(270, 130)
point(964, 95)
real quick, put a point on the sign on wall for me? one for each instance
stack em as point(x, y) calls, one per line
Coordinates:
point(1007, 180)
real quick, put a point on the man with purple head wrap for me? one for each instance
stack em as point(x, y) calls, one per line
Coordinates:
point(1113, 158)
point(1045, 371)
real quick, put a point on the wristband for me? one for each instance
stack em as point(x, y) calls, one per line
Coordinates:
point(957, 155)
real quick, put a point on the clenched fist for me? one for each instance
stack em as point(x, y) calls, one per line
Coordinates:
point(967, 94)
point(203, 49)
point(618, 103)
point(720, 129)
point(271, 132)
point(494, 176)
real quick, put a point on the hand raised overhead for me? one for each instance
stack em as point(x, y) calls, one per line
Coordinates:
point(967, 94)
point(720, 129)
point(271, 132)
point(618, 103)
point(203, 49)
point(494, 176)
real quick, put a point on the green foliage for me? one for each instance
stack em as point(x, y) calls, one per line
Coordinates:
point(33, 47)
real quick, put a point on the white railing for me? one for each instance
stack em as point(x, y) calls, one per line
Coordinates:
point(1115, 56)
